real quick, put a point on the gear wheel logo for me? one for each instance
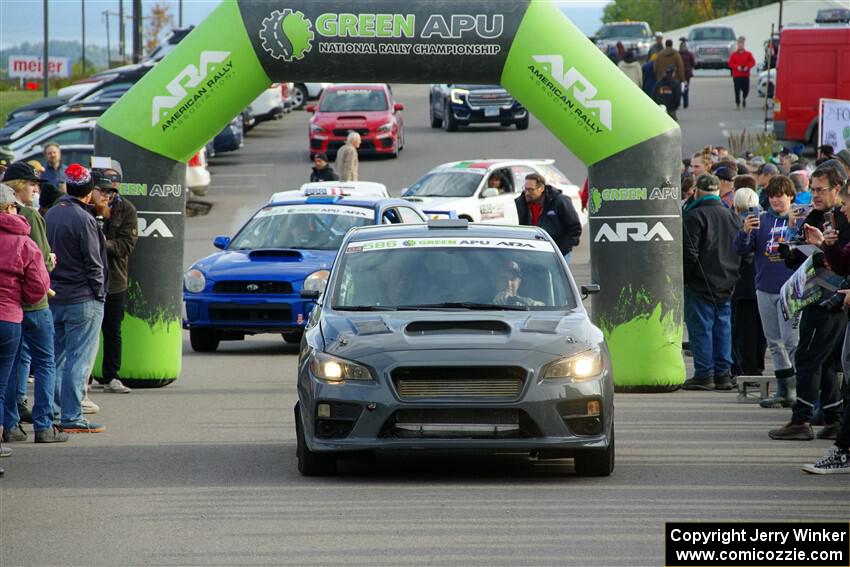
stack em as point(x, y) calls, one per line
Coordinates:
point(287, 35)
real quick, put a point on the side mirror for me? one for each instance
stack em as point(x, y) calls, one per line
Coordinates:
point(489, 192)
point(310, 108)
point(398, 106)
point(311, 294)
point(221, 242)
point(589, 289)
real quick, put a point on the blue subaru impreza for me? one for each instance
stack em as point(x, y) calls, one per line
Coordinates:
point(255, 284)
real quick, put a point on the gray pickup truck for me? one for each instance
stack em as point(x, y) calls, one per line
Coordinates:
point(711, 46)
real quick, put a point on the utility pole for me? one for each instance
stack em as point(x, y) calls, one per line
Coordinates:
point(108, 50)
point(180, 13)
point(83, 7)
point(780, 15)
point(121, 49)
point(137, 31)
point(44, 64)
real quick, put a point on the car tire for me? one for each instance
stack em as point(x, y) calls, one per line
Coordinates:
point(596, 463)
point(299, 97)
point(435, 122)
point(199, 191)
point(522, 123)
point(449, 123)
point(204, 340)
point(310, 463)
point(293, 338)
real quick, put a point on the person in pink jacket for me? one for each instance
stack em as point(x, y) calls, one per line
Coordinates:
point(23, 279)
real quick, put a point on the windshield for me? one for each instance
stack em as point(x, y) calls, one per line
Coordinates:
point(363, 100)
point(623, 30)
point(712, 34)
point(446, 184)
point(451, 273)
point(32, 137)
point(314, 227)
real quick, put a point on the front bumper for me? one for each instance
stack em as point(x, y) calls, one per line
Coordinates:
point(551, 423)
point(370, 144)
point(465, 115)
point(246, 315)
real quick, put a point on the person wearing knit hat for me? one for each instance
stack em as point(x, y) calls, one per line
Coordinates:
point(79, 280)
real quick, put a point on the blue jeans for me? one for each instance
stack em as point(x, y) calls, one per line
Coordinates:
point(36, 349)
point(76, 340)
point(10, 342)
point(23, 359)
point(710, 335)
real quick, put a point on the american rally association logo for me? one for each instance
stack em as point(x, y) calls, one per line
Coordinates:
point(287, 35)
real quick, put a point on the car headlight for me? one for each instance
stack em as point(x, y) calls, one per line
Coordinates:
point(385, 128)
point(317, 281)
point(194, 281)
point(457, 94)
point(580, 367)
point(314, 129)
point(334, 369)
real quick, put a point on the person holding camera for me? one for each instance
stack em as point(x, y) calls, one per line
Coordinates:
point(818, 355)
point(761, 235)
point(837, 458)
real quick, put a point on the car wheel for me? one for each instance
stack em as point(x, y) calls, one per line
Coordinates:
point(522, 123)
point(292, 338)
point(310, 463)
point(200, 191)
point(449, 122)
point(435, 122)
point(299, 97)
point(596, 463)
point(203, 340)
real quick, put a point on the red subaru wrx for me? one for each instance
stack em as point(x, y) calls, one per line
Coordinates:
point(368, 109)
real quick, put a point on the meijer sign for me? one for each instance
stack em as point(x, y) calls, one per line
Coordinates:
point(30, 66)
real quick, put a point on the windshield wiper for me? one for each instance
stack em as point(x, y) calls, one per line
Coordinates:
point(362, 308)
point(462, 305)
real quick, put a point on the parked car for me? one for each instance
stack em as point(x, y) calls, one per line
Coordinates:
point(463, 186)
point(231, 138)
point(766, 83)
point(168, 45)
point(453, 105)
point(268, 105)
point(254, 284)
point(77, 131)
point(304, 92)
point(813, 57)
point(712, 46)
point(636, 36)
point(368, 109)
point(449, 336)
point(76, 153)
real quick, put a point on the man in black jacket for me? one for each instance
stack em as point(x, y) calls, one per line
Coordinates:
point(711, 270)
point(322, 171)
point(818, 356)
point(120, 227)
point(544, 206)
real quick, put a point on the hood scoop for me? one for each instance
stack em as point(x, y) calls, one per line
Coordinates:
point(371, 327)
point(548, 326)
point(276, 255)
point(485, 327)
point(352, 117)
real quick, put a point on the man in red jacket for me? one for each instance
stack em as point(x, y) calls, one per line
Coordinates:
point(741, 61)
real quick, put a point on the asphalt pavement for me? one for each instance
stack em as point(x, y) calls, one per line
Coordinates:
point(203, 472)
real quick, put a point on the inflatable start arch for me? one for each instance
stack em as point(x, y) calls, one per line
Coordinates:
point(631, 146)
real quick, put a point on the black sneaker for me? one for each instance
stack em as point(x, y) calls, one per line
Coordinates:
point(52, 435)
point(24, 412)
point(829, 431)
point(744, 103)
point(793, 432)
point(15, 434)
point(723, 382)
point(698, 384)
point(835, 461)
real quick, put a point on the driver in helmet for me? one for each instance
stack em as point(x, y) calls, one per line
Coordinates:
point(512, 278)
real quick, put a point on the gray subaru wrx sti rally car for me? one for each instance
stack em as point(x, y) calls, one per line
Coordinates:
point(453, 336)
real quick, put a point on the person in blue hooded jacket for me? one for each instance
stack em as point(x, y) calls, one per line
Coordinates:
point(761, 236)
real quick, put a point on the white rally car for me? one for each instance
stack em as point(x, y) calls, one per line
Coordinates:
point(466, 188)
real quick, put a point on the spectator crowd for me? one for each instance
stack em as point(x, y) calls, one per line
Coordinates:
point(748, 227)
point(66, 236)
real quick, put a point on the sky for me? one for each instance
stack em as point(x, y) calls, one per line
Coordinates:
point(22, 20)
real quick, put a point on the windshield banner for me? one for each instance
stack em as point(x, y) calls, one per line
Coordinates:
point(316, 210)
point(401, 243)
